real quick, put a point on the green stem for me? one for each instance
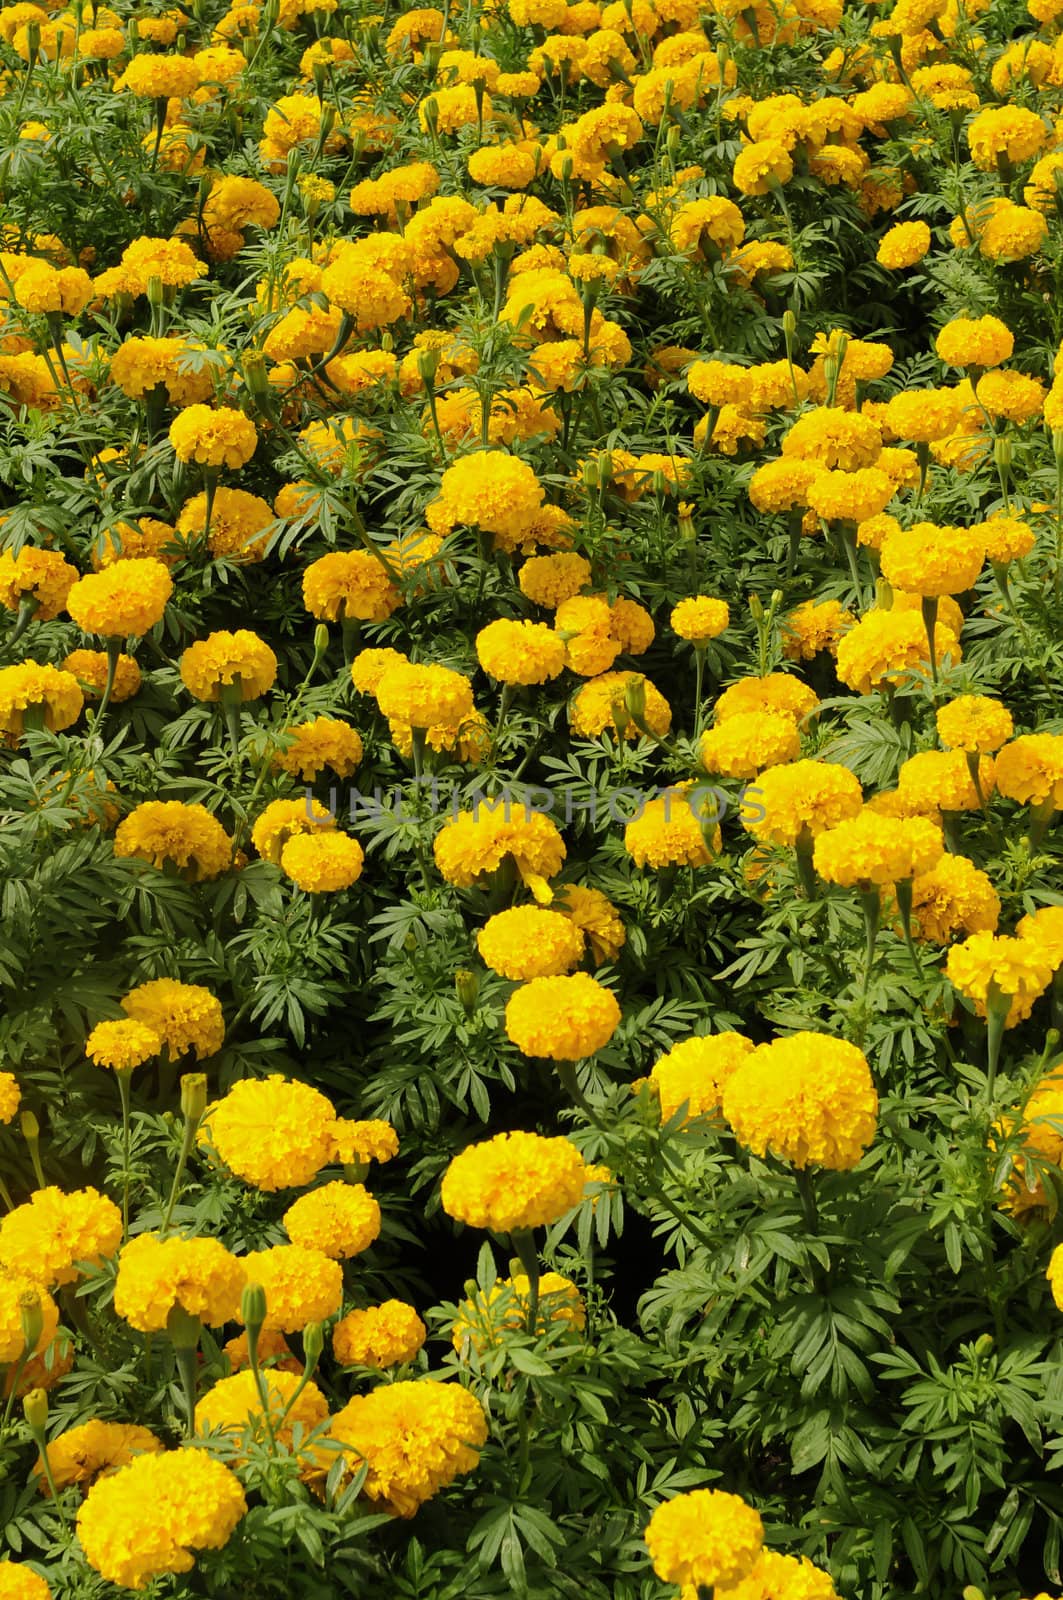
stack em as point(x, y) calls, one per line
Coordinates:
point(124, 1078)
point(930, 618)
point(997, 1007)
point(524, 1244)
point(806, 1193)
point(804, 845)
point(871, 904)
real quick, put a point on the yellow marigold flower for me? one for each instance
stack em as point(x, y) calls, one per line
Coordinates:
point(885, 646)
point(240, 524)
point(155, 1275)
point(941, 780)
point(706, 1537)
point(322, 863)
point(158, 77)
point(216, 438)
point(273, 1132)
point(186, 836)
point(562, 1018)
point(323, 743)
point(719, 383)
point(43, 578)
point(482, 1321)
point(237, 202)
point(424, 696)
point(666, 831)
point(382, 1336)
point(48, 697)
point(520, 652)
point(831, 437)
point(477, 842)
point(1017, 969)
point(224, 660)
point(55, 291)
point(814, 626)
point(234, 1407)
point(46, 1238)
point(548, 581)
point(1011, 133)
point(530, 942)
point(954, 897)
point(974, 342)
point(284, 818)
point(871, 849)
point(700, 618)
point(122, 1045)
point(596, 916)
point(779, 1577)
point(1007, 539)
point(1030, 769)
point(185, 1015)
point(600, 706)
point(744, 744)
point(148, 1518)
point(81, 1454)
point(414, 1437)
point(490, 490)
point(142, 364)
point(90, 668)
point(1012, 395)
point(762, 166)
point(502, 167)
point(924, 415)
point(369, 666)
point(123, 600)
point(124, 542)
point(778, 693)
point(18, 1582)
point(808, 1099)
point(513, 1182)
point(906, 243)
point(783, 485)
point(1044, 928)
point(302, 1284)
point(974, 723)
point(364, 292)
point(1042, 184)
point(804, 798)
point(358, 1143)
point(1042, 1117)
point(1012, 233)
point(714, 219)
point(694, 1071)
point(10, 1096)
point(586, 625)
point(850, 496)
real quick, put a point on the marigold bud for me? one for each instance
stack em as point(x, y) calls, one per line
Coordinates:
point(193, 1095)
point(253, 1308)
point(467, 985)
point(35, 1410)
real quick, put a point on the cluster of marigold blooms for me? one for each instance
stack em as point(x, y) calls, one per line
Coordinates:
point(148, 1507)
point(558, 226)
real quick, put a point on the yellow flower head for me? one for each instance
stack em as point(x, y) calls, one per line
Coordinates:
point(514, 1181)
point(807, 1098)
point(148, 1518)
point(382, 1336)
point(184, 1015)
point(562, 1018)
point(414, 1437)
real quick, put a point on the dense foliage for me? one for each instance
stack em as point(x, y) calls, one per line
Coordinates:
point(532, 566)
